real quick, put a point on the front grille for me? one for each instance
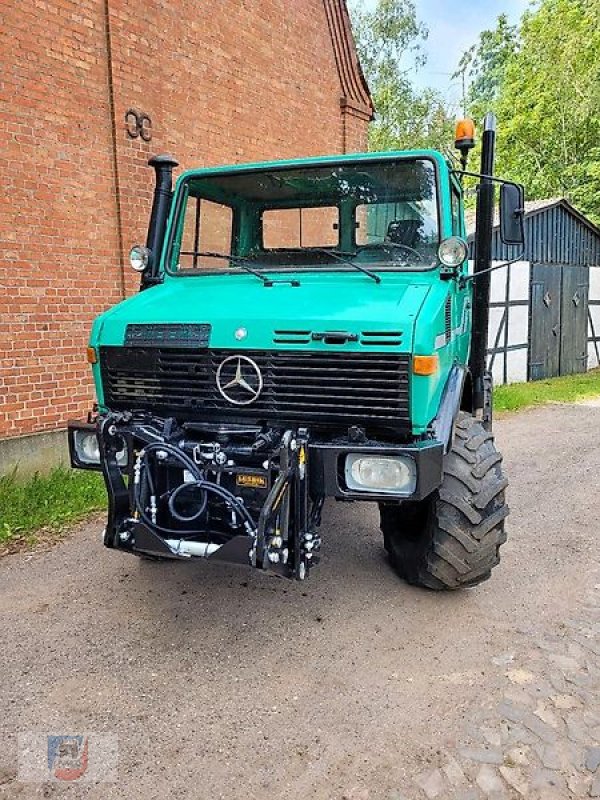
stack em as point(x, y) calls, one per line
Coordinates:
point(300, 386)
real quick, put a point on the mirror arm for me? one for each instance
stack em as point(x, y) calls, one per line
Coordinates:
point(493, 178)
point(464, 280)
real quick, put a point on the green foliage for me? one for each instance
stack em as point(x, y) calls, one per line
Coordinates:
point(47, 501)
point(485, 64)
point(408, 120)
point(544, 83)
point(551, 102)
point(568, 389)
point(389, 39)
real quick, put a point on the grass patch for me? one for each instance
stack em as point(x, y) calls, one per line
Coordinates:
point(568, 389)
point(47, 502)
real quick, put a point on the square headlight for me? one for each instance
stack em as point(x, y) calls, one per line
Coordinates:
point(87, 449)
point(381, 474)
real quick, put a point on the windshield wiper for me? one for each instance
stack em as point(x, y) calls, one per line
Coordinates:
point(242, 262)
point(344, 258)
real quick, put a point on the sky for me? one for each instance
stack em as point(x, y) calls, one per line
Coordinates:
point(454, 25)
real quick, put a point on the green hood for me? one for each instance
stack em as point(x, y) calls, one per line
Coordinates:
point(324, 302)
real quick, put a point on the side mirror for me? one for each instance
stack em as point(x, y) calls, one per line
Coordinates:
point(512, 209)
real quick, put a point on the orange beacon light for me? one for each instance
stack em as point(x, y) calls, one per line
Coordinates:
point(465, 139)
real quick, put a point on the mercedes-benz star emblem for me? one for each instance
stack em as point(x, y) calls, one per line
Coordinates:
point(239, 380)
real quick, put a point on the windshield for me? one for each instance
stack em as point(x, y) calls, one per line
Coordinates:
point(366, 215)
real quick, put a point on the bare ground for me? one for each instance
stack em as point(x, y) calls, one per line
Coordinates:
point(218, 682)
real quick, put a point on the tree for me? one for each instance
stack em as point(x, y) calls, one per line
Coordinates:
point(389, 39)
point(543, 80)
point(485, 65)
point(549, 104)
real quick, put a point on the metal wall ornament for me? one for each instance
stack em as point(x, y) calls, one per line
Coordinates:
point(138, 124)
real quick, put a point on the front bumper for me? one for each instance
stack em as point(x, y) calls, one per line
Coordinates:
point(278, 490)
point(327, 465)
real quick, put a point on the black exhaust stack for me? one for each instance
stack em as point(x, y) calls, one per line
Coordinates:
point(163, 166)
point(483, 261)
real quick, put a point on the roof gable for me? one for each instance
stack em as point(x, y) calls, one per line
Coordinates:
point(555, 233)
point(356, 96)
point(540, 206)
point(534, 207)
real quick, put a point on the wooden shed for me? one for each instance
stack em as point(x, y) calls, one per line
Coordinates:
point(545, 309)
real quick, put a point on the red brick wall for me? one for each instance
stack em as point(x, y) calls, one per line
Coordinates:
point(240, 81)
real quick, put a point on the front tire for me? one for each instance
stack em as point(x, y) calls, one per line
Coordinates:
point(452, 539)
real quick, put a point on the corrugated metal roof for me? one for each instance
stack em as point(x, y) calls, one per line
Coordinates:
point(555, 233)
point(531, 207)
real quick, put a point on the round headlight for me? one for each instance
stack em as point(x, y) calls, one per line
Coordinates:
point(139, 257)
point(453, 252)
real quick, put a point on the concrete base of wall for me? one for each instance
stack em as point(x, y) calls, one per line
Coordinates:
point(39, 452)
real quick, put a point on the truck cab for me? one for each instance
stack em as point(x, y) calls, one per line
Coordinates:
point(303, 331)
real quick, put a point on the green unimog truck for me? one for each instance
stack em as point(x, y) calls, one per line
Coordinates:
point(306, 330)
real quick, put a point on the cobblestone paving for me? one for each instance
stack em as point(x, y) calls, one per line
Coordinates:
point(542, 741)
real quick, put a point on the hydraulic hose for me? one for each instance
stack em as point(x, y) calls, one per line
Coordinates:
point(213, 488)
point(175, 495)
point(140, 492)
point(145, 477)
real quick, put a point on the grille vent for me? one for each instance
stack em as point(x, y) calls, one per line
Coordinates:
point(448, 317)
point(381, 338)
point(292, 337)
point(175, 335)
point(367, 338)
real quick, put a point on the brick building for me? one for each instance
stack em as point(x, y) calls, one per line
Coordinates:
point(89, 89)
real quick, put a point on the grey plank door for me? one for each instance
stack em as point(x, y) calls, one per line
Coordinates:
point(545, 321)
point(574, 311)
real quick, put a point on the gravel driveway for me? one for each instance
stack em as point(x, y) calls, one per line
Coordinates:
point(220, 683)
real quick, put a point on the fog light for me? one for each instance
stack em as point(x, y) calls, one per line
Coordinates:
point(88, 449)
point(385, 474)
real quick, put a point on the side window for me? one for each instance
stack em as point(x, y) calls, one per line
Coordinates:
point(410, 223)
point(207, 228)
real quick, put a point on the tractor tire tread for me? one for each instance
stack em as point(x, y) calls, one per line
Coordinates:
point(460, 540)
